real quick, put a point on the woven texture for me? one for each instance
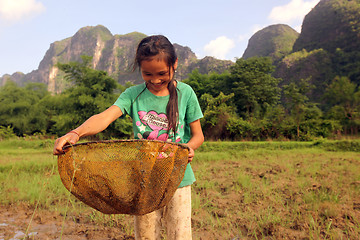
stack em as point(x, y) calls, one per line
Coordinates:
point(124, 176)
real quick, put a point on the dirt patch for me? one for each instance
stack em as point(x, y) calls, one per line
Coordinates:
point(15, 220)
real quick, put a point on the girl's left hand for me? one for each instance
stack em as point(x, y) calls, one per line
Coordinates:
point(191, 154)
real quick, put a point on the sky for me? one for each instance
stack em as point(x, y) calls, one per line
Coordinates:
point(218, 28)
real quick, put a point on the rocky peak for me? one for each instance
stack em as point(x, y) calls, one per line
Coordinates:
point(274, 41)
point(112, 53)
point(330, 25)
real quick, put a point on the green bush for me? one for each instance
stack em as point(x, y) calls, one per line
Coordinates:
point(320, 128)
point(240, 129)
point(6, 132)
point(259, 130)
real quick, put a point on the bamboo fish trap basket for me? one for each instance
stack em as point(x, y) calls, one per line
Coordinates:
point(123, 176)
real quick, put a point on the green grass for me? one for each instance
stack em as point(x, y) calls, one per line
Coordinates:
point(278, 190)
point(244, 190)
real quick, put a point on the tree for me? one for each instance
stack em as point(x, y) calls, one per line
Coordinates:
point(216, 114)
point(296, 100)
point(20, 108)
point(253, 85)
point(212, 83)
point(91, 93)
point(344, 97)
point(274, 116)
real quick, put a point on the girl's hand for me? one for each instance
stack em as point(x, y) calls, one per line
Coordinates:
point(191, 154)
point(69, 138)
point(197, 138)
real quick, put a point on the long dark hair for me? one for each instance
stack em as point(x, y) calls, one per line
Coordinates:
point(159, 45)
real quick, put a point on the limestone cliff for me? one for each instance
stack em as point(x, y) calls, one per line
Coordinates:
point(111, 53)
point(330, 25)
point(275, 41)
point(328, 45)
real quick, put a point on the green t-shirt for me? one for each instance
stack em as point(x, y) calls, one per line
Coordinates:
point(148, 113)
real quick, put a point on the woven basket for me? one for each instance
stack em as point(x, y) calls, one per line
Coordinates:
point(123, 176)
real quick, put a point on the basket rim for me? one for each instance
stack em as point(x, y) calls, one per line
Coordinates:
point(182, 145)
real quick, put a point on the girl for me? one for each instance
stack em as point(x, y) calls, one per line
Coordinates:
point(161, 109)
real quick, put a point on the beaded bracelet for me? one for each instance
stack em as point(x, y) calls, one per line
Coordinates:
point(72, 131)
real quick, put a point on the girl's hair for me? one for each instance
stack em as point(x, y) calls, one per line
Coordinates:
point(160, 46)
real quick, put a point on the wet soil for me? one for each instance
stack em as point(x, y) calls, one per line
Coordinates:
point(16, 221)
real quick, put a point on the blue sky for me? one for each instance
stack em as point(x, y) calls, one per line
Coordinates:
point(219, 28)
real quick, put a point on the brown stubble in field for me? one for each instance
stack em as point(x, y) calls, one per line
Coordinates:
point(295, 194)
point(252, 194)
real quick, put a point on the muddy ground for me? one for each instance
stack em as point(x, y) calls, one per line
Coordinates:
point(15, 220)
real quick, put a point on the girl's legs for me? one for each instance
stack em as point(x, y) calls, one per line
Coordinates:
point(176, 216)
point(148, 226)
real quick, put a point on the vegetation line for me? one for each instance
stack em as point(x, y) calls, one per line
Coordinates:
point(67, 203)
point(38, 201)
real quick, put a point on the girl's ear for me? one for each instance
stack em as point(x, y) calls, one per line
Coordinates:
point(175, 64)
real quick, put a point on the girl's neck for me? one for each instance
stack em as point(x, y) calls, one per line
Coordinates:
point(163, 93)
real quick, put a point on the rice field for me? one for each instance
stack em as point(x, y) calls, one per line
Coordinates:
point(244, 190)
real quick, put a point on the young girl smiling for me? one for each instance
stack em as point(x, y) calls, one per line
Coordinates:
point(161, 109)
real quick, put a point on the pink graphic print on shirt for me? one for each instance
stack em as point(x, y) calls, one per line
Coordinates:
point(156, 122)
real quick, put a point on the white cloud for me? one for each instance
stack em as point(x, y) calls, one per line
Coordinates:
point(219, 47)
point(12, 11)
point(291, 12)
point(242, 37)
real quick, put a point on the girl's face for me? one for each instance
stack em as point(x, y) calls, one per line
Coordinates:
point(157, 75)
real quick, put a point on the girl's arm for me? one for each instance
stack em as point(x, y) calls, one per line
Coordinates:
point(197, 138)
point(92, 126)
